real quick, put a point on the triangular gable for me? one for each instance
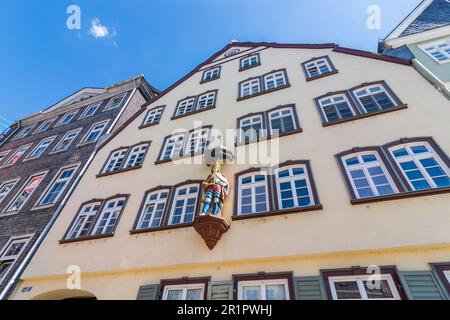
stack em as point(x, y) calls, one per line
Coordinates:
point(76, 97)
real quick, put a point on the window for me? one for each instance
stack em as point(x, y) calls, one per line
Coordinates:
point(362, 288)
point(3, 155)
point(67, 140)
point(24, 132)
point(173, 147)
point(6, 187)
point(336, 107)
point(83, 223)
point(439, 51)
point(249, 62)
point(44, 125)
point(253, 194)
point(251, 128)
point(184, 292)
point(17, 155)
point(65, 119)
point(368, 175)
point(263, 84)
point(211, 74)
point(114, 102)
point(136, 156)
point(95, 132)
point(276, 289)
point(184, 205)
point(153, 116)
point(293, 187)
point(374, 98)
point(198, 103)
point(115, 160)
point(11, 253)
point(153, 209)
point(108, 218)
point(197, 141)
point(282, 120)
point(58, 185)
point(25, 193)
point(318, 67)
point(274, 80)
point(442, 270)
point(90, 110)
point(421, 165)
point(40, 148)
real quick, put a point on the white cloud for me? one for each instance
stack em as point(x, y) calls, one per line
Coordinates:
point(98, 30)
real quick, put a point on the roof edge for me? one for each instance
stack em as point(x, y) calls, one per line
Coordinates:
point(371, 55)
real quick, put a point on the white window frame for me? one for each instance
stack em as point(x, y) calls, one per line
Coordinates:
point(72, 116)
point(40, 127)
point(48, 140)
point(110, 102)
point(55, 180)
point(250, 125)
point(198, 137)
point(254, 185)
point(184, 105)
point(26, 147)
point(75, 131)
point(360, 282)
point(84, 114)
point(333, 103)
point(25, 132)
point(156, 202)
point(315, 63)
point(184, 197)
point(82, 214)
point(415, 158)
point(367, 93)
point(280, 111)
point(184, 288)
point(153, 116)
point(211, 74)
point(290, 179)
point(111, 212)
point(12, 259)
point(117, 156)
point(172, 141)
point(447, 275)
point(136, 151)
point(434, 46)
point(206, 97)
point(24, 186)
point(4, 155)
point(364, 166)
point(91, 129)
point(5, 183)
point(250, 84)
point(262, 287)
point(274, 76)
point(249, 60)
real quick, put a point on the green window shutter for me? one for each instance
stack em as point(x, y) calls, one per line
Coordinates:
point(309, 288)
point(220, 290)
point(421, 285)
point(148, 292)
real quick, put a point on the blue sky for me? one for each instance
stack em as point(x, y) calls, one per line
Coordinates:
point(42, 61)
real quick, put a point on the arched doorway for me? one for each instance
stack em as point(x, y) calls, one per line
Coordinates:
point(66, 294)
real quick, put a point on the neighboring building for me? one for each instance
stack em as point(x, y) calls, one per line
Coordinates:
point(424, 37)
point(361, 179)
point(43, 155)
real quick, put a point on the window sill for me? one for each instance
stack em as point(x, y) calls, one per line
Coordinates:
point(7, 214)
point(143, 126)
point(263, 92)
point(42, 207)
point(322, 75)
point(403, 195)
point(284, 134)
point(82, 144)
point(277, 213)
point(58, 151)
point(365, 115)
point(100, 236)
point(191, 113)
point(186, 156)
point(117, 171)
point(162, 228)
point(250, 67)
point(209, 80)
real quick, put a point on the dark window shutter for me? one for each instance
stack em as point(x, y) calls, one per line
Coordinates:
point(148, 292)
point(220, 290)
point(309, 288)
point(421, 285)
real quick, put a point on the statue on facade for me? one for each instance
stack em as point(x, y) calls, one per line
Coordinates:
point(215, 188)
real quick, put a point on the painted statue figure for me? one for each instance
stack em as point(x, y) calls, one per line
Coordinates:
point(215, 188)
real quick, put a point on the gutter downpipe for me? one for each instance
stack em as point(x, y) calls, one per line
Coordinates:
point(40, 239)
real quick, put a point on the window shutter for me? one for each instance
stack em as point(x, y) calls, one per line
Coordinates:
point(220, 290)
point(309, 288)
point(148, 292)
point(421, 285)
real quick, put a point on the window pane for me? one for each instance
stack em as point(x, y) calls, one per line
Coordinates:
point(194, 294)
point(379, 290)
point(275, 292)
point(251, 293)
point(347, 290)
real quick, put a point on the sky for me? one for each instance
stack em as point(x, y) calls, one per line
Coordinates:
point(43, 61)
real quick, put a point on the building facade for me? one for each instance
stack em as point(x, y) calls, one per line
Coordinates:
point(340, 172)
point(44, 154)
point(424, 37)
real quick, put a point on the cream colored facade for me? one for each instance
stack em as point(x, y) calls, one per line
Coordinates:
point(409, 233)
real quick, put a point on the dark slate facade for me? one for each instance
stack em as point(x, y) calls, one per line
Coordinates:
point(30, 221)
point(436, 15)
